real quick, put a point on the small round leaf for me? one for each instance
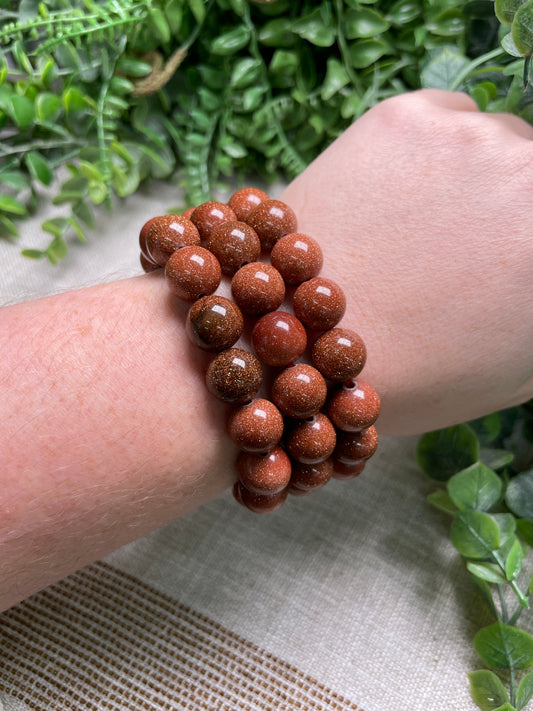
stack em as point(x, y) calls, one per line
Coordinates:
point(501, 646)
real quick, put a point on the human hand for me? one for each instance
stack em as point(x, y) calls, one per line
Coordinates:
point(424, 208)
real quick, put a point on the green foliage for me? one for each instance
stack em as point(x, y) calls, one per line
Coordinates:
point(492, 530)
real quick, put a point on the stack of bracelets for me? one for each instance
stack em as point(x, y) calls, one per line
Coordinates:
point(319, 421)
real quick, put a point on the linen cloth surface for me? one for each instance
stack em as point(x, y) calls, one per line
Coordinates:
point(350, 599)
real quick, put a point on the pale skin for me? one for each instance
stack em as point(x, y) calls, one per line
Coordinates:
point(423, 209)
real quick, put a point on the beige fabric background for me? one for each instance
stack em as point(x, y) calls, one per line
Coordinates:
point(351, 598)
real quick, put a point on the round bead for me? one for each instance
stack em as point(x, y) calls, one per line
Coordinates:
point(234, 376)
point(188, 212)
point(299, 390)
point(310, 476)
point(142, 237)
point(256, 427)
point(319, 304)
point(168, 233)
point(148, 265)
point(267, 473)
point(258, 503)
point(209, 215)
point(214, 323)
point(234, 244)
point(271, 220)
point(312, 440)
point(258, 288)
point(297, 257)
point(339, 354)
point(343, 471)
point(192, 272)
point(244, 201)
point(354, 406)
point(278, 338)
point(354, 447)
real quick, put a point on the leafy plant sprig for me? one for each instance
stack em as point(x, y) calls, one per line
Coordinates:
point(486, 472)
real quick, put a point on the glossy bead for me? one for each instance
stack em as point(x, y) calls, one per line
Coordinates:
point(255, 427)
point(214, 323)
point(244, 201)
point(258, 288)
point(354, 406)
point(148, 265)
point(299, 390)
point(267, 473)
point(306, 477)
point(354, 447)
point(312, 440)
point(142, 237)
point(234, 376)
point(339, 354)
point(319, 304)
point(188, 212)
point(343, 471)
point(234, 244)
point(271, 220)
point(209, 215)
point(258, 503)
point(278, 338)
point(192, 272)
point(297, 257)
point(168, 233)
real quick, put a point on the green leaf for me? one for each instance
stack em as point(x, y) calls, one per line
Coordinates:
point(90, 171)
point(513, 562)
point(276, 33)
point(315, 28)
point(442, 69)
point(38, 167)
point(97, 191)
point(501, 646)
point(198, 10)
point(524, 692)
point(522, 28)
point(443, 453)
point(475, 534)
point(487, 571)
point(525, 530)
point(506, 707)
point(404, 11)
point(487, 690)
point(8, 227)
point(476, 487)
point(364, 22)
point(57, 226)
point(47, 106)
point(505, 10)
point(57, 249)
point(33, 253)
point(519, 495)
point(12, 205)
point(231, 41)
point(133, 67)
point(365, 52)
point(84, 212)
point(158, 23)
point(509, 46)
point(495, 458)
point(14, 179)
point(441, 500)
point(486, 428)
point(22, 111)
point(336, 78)
point(245, 72)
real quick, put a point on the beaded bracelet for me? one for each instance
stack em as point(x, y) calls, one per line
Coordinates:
point(319, 420)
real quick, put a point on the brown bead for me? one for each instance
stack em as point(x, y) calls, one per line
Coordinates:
point(312, 440)
point(343, 471)
point(299, 390)
point(306, 477)
point(168, 233)
point(258, 288)
point(297, 257)
point(267, 473)
point(319, 304)
point(339, 354)
point(209, 215)
point(278, 338)
point(148, 265)
point(258, 503)
point(244, 201)
point(142, 237)
point(256, 427)
point(354, 447)
point(188, 212)
point(192, 272)
point(271, 220)
point(354, 406)
point(234, 244)
point(214, 323)
point(234, 376)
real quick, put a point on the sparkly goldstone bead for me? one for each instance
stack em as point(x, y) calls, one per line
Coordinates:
point(214, 323)
point(188, 212)
point(147, 264)
point(258, 503)
point(234, 376)
point(354, 447)
point(278, 338)
point(306, 477)
point(297, 257)
point(299, 390)
point(343, 471)
point(339, 354)
point(168, 233)
point(209, 215)
point(234, 244)
point(311, 440)
point(191, 272)
point(258, 288)
point(354, 406)
point(244, 201)
point(319, 304)
point(267, 473)
point(255, 427)
point(142, 237)
point(271, 220)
